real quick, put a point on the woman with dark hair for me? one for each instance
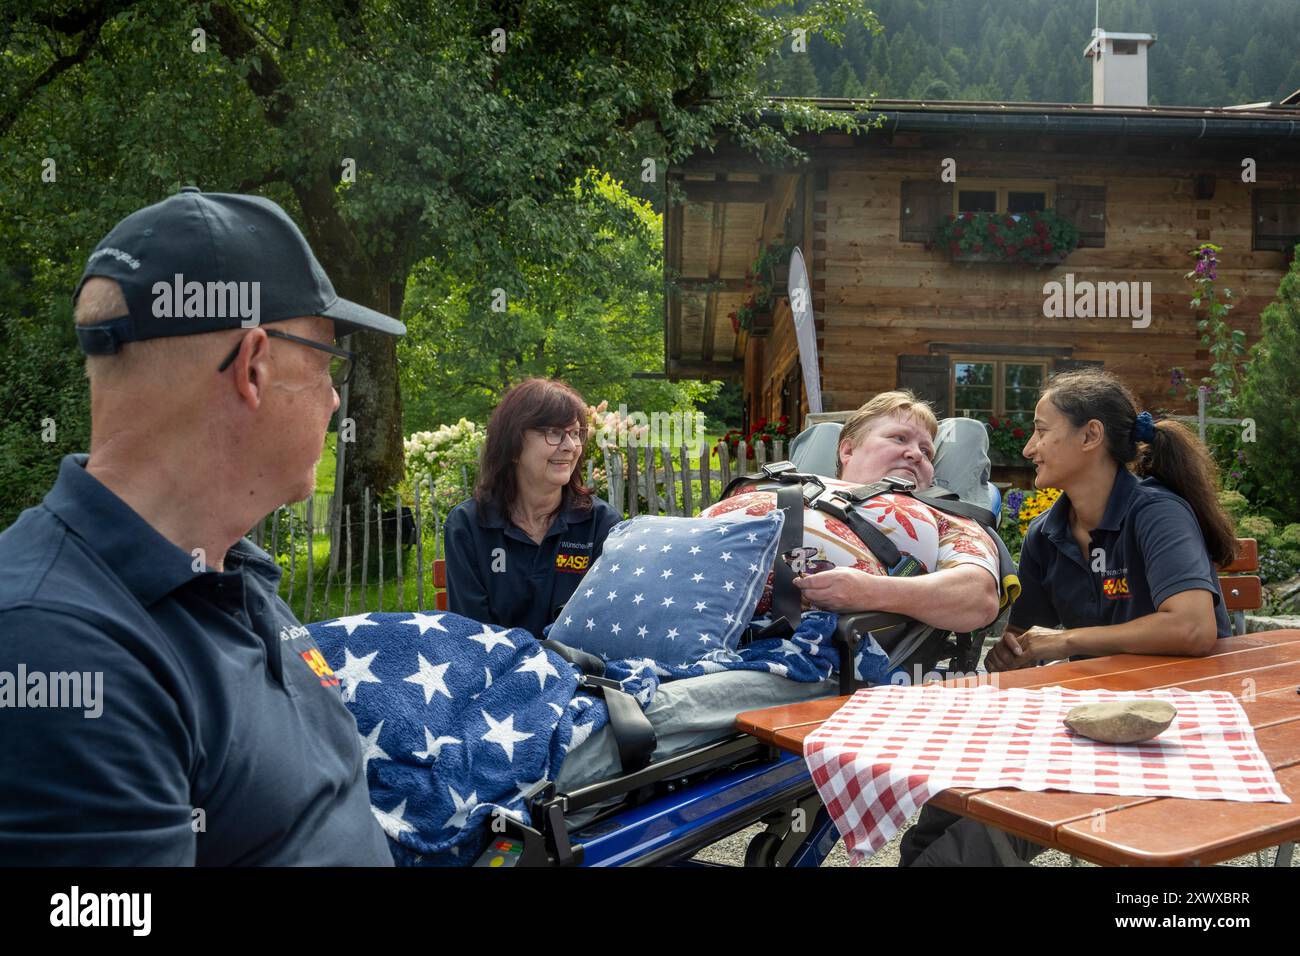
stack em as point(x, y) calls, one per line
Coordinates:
point(1124, 562)
point(517, 550)
point(1125, 559)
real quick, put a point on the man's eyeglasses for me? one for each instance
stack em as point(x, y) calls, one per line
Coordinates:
point(341, 364)
point(554, 435)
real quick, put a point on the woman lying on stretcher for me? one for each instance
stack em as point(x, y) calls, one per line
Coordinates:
point(892, 434)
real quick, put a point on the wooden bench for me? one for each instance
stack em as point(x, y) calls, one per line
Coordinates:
point(440, 584)
point(1242, 592)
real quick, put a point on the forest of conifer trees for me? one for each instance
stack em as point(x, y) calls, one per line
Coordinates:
point(1207, 52)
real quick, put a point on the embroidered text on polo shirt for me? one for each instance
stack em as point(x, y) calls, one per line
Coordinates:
point(572, 563)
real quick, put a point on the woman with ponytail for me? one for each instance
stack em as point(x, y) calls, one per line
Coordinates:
point(1125, 559)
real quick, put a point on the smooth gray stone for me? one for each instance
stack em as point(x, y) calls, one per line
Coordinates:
point(1122, 721)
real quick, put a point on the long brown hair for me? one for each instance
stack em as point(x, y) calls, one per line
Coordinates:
point(1174, 456)
point(533, 403)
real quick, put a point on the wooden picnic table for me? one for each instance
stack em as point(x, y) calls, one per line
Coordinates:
point(1262, 670)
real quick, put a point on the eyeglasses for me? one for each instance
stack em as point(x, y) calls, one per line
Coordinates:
point(554, 435)
point(341, 364)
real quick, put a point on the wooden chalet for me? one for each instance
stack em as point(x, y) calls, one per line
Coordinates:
point(1144, 185)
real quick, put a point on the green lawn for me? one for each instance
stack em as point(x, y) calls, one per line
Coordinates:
point(325, 606)
point(325, 470)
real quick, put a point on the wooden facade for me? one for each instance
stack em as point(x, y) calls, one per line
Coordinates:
point(892, 311)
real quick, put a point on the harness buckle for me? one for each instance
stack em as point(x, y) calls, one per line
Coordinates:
point(835, 505)
point(899, 483)
point(906, 567)
point(817, 487)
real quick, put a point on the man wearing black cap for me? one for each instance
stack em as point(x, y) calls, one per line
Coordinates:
point(160, 704)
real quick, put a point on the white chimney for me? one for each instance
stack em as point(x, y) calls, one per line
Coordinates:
point(1119, 67)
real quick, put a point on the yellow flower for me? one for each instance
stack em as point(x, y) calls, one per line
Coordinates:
point(1036, 504)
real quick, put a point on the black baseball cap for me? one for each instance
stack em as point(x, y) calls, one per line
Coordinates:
point(200, 262)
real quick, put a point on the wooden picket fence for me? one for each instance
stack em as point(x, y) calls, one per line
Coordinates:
point(665, 481)
point(328, 554)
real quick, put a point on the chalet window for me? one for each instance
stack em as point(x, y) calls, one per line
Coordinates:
point(1085, 206)
point(1026, 201)
point(977, 200)
point(984, 387)
point(923, 203)
point(1124, 47)
point(1009, 196)
point(1276, 218)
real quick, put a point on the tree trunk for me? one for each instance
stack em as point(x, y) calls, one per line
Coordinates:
point(375, 459)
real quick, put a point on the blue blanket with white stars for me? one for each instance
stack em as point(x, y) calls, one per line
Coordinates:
point(459, 719)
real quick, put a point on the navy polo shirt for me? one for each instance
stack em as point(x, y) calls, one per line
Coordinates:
point(498, 575)
point(1147, 548)
point(222, 737)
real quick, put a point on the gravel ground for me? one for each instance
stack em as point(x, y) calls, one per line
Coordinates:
point(731, 852)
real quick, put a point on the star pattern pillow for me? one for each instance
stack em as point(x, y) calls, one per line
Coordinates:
point(675, 590)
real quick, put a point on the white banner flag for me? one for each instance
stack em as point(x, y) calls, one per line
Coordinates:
point(805, 332)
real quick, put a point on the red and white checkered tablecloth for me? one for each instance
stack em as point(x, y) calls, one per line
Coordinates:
point(890, 749)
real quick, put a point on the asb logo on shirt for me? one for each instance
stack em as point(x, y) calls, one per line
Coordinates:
point(1115, 587)
point(572, 563)
point(316, 662)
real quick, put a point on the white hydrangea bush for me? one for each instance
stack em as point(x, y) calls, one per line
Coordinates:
point(449, 454)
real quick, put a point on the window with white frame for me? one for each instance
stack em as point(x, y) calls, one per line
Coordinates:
point(984, 387)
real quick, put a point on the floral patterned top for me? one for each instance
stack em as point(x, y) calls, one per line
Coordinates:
point(938, 541)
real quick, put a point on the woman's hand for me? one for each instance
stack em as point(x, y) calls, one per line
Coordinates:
point(1026, 649)
point(1004, 654)
point(839, 589)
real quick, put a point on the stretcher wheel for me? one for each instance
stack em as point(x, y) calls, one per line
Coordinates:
point(762, 850)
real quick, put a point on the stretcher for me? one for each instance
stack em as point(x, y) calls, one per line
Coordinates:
point(665, 812)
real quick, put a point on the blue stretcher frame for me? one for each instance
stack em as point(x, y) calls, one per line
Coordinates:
point(667, 828)
point(667, 811)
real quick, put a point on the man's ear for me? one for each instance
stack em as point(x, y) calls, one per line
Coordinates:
point(252, 367)
point(844, 452)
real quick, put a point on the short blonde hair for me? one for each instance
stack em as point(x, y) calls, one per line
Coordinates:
point(900, 403)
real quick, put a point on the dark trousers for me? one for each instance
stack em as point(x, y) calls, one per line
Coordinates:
point(940, 838)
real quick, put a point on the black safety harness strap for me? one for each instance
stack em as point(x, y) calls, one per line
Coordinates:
point(935, 496)
point(633, 733)
point(787, 600)
point(844, 508)
point(843, 503)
